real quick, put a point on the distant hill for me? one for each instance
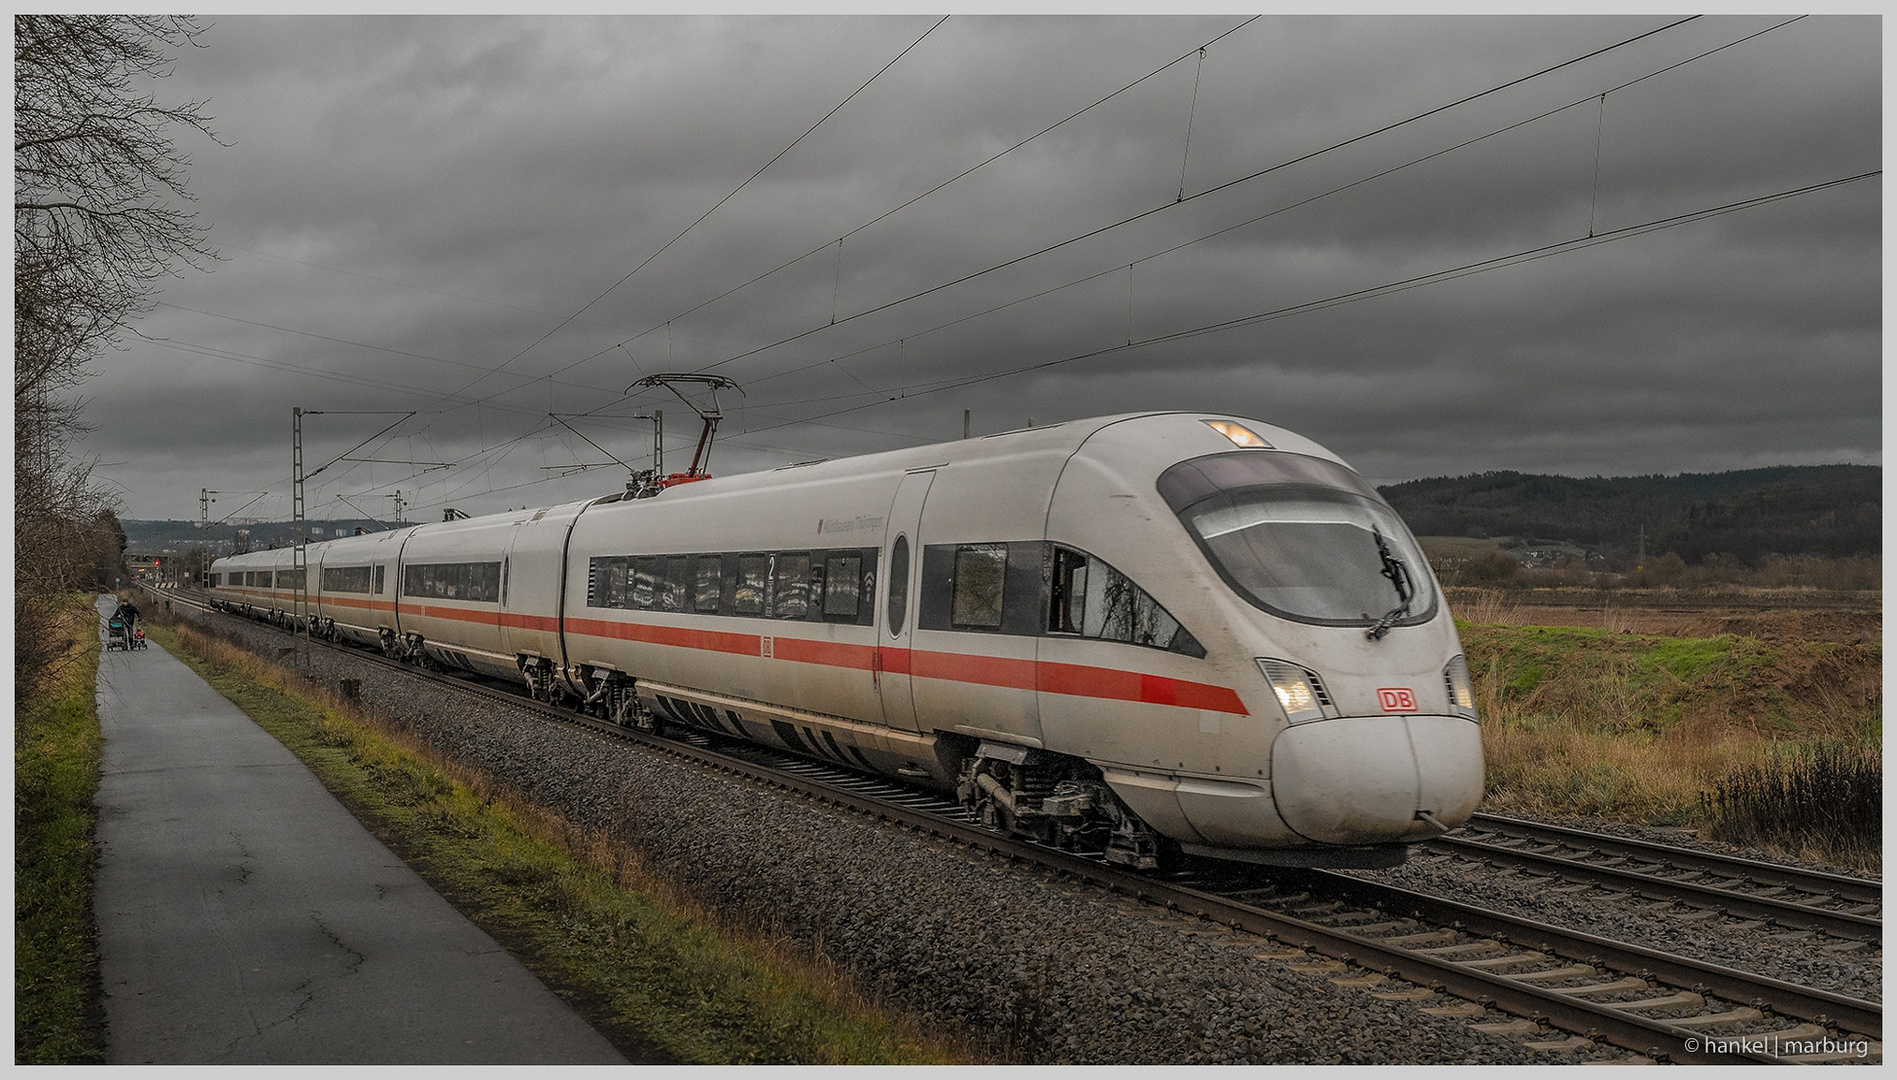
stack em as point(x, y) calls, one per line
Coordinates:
point(180, 536)
point(1833, 511)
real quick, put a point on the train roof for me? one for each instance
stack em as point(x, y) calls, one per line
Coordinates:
point(1066, 435)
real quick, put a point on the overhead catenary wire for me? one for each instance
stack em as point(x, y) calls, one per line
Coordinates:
point(885, 215)
point(858, 380)
point(1142, 215)
point(949, 383)
point(900, 392)
point(1306, 201)
point(1372, 292)
point(714, 207)
point(1384, 289)
point(1228, 184)
point(1186, 154)
point(529, 380)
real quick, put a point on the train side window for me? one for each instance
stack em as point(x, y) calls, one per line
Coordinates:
point(748, 596)
point(677, 584)
point(791, 588)
point(980, 578)
point(1118, 610)
point(710, 582)
point(379, 579)
point(606, 583)
point(345, 579)
point(1090, 598)
point(898, 585)
point(842, 580)
point(646, 570)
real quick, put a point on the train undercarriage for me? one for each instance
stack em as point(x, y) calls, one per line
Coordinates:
point(1060, 801)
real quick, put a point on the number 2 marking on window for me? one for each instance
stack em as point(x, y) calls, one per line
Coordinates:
point(1396, 699)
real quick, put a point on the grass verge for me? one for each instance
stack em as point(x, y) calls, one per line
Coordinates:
point(660, 976)
point(1650, 729)
point(57, 1018)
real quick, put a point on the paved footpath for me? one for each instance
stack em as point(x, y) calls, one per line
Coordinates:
point(245, 916)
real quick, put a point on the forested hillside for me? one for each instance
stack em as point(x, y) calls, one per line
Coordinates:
point(1829, 511)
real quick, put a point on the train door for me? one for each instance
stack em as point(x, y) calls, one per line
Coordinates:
point(903, 557)
point(517, 632)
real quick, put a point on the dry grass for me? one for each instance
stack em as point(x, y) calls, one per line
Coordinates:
point(1491, 607)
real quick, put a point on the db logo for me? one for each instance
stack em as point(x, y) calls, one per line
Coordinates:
point(1396, 699)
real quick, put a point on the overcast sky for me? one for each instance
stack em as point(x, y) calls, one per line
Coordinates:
point(480, 219)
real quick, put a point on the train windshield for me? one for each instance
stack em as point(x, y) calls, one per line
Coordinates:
point(1303, 538)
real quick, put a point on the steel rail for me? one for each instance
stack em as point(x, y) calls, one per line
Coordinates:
point(1817, 882)
point(1730, 901)
point(1804, 1002)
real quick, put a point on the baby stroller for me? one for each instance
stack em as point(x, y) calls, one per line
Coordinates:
point(116, 636)
point(138, 637)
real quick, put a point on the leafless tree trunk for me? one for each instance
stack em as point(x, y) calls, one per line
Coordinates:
point(94, 174)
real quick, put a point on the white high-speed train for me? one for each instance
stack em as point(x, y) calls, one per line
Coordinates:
point(1133, 634)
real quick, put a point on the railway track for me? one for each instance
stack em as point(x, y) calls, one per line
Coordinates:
point(1561, 989)
point(1846, 908)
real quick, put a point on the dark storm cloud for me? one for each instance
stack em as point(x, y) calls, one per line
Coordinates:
point(413, 210)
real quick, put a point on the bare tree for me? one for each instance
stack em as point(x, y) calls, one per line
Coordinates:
point(96, 182)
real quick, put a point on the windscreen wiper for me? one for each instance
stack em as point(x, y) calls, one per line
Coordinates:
point(1399, 576)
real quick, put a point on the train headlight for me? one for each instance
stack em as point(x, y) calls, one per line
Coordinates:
point(1461, 690)
point(1298, 690)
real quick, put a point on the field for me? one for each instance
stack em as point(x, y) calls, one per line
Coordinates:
point(1747, 717)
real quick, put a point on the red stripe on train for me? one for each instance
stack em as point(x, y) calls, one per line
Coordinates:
point(709, 640)
point(1075, 680)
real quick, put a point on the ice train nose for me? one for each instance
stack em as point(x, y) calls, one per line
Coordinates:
point(1377, 779)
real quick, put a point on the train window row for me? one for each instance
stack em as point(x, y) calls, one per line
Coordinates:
point(812, 586)
point(1026, 588)
point(351, 579)
point(260, 579)
point(1031, 588)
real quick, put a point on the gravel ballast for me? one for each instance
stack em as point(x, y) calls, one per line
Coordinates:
point(1043, 969)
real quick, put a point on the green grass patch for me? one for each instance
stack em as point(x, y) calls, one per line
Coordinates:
point(57, 1015)
point(647, 967)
